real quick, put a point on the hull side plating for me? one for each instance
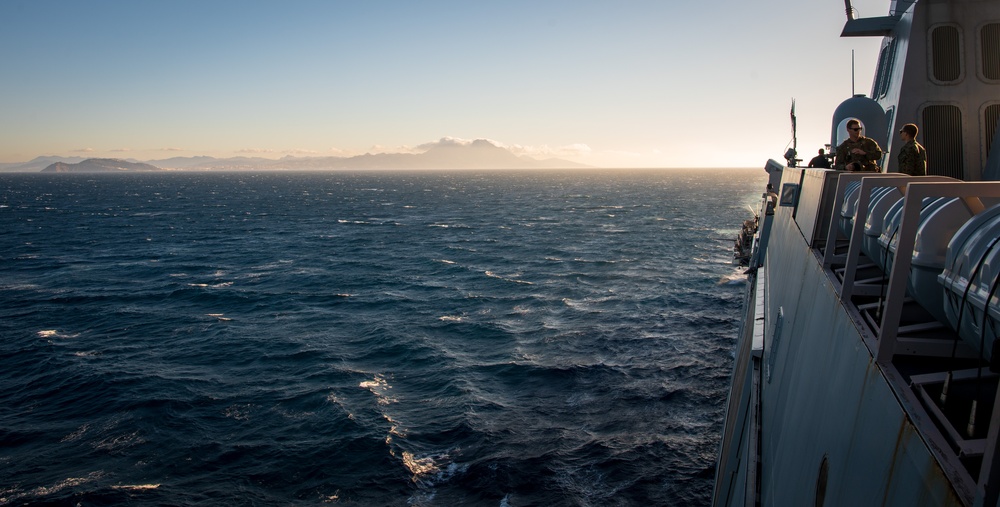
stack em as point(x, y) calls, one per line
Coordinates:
point(825, 398)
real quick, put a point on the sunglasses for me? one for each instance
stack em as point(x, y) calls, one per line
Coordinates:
point(855, 128)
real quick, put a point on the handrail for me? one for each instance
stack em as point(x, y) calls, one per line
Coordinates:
point(919, 189)
point(869, 183)
point(832, 233)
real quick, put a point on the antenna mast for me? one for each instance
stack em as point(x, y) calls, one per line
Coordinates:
point(852, 73)
point(795, 140)
point(790, 153)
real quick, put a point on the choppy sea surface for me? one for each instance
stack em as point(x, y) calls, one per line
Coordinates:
point(367, 338)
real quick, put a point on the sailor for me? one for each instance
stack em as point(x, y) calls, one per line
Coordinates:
point(858, 148)
point(912, 156)
point(820, 160)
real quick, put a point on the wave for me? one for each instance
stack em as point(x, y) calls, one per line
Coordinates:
point(294, 339)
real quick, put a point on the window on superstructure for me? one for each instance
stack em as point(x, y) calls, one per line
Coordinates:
point(990, 116)
point(989, 39)
point(946, 54)
point(942, 136)
point(886, 58)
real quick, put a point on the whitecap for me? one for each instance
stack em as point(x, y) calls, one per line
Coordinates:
point(419, 466)
point(120, 442)
point(52, 333)
point(379, 387)
point(492, 274)
point(19, 286)
point(428, 471)
point(589, 303)
point(69, 482)
point(733, 280)
point(136, 487)
point(76, 434)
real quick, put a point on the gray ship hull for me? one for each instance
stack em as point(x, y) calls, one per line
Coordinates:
point(812, 418)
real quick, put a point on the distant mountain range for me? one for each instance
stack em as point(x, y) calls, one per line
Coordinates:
point(479, 154)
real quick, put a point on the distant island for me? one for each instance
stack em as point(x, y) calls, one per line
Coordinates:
point(99, 165)
point(478, 154)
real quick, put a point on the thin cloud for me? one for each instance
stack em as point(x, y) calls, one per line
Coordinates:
point(444, 141)
point(84, 150)
point(254, 151)
point(578, 148)
point(546, 151)
point(408, 149)
point(622, 154)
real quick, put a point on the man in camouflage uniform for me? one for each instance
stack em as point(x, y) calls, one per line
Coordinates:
point(863, 151)
point(820, 160)
point(912, 156)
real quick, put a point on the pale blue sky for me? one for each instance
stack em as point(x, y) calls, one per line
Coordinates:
point(607, 83)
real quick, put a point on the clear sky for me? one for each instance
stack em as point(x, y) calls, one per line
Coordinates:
point(622, 83)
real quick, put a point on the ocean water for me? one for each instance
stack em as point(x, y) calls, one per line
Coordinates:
point(370, 338)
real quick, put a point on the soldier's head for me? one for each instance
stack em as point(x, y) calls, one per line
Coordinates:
point(854, 129)
point(909, 131)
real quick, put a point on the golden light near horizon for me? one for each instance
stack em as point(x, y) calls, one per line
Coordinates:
point(595, 83)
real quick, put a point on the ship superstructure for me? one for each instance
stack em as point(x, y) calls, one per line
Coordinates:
point(865, 372)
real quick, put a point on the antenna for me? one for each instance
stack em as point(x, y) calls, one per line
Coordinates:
point(795, 141)
point(850, 10)
point(791, 152)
